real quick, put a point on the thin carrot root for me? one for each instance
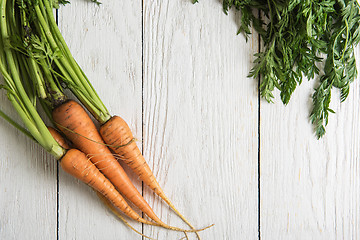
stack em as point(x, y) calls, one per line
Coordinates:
point(183, 230)
point(186, 236)
point(167, 200)
point(117, 134)
point(111, 207)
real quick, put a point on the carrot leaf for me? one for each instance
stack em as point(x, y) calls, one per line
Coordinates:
point(303, 39)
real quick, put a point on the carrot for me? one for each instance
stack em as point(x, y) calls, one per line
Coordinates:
point(58, 138)
point(78, 127)
point(75, 123)
point(117, 134)
point(78, 165)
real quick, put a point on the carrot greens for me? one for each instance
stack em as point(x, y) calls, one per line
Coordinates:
point(303, 38)
point(43, 43)
point(17, 85)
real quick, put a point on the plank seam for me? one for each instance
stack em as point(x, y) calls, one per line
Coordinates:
point(259, 147)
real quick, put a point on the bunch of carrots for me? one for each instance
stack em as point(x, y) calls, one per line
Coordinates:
point(37, 65)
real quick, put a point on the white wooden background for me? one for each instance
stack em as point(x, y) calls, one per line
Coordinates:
point(177, 73)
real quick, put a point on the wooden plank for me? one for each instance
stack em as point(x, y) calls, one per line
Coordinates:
point(27, 184)
point(106, 41)
point(309, 187)
point(200, 118)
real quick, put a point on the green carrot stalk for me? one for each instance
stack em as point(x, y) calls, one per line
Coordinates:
point(69, 69)
point(17, 95)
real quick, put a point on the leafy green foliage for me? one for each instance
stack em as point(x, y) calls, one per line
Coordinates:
point(296, 34)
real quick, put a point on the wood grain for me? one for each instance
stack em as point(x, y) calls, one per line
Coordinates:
point(27, 185)
point(309, 187)
point(106, 41)
point(200, 118)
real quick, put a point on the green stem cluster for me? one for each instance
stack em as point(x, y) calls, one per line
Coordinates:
point(36, 63)
point(60, 61)
point(13, 69)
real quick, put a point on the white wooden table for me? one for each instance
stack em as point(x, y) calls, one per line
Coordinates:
point(176, 72)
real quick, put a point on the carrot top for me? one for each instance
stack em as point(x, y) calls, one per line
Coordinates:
point(16, 84)
point(43, 43)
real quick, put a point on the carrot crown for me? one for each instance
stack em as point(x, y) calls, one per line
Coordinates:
point(48, 52)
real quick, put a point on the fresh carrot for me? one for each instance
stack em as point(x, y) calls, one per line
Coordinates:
point(72, 119)
point(78, 165)
point(58, 138)
point(117, 134)
point(78, 127)
point(107, 202)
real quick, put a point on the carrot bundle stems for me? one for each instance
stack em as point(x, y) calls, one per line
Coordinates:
point(72, 74)
point(15, 77)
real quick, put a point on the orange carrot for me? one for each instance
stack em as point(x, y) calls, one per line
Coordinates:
point(76, 124)
point(117, 134)
point(78, 165)
point(58, 138)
